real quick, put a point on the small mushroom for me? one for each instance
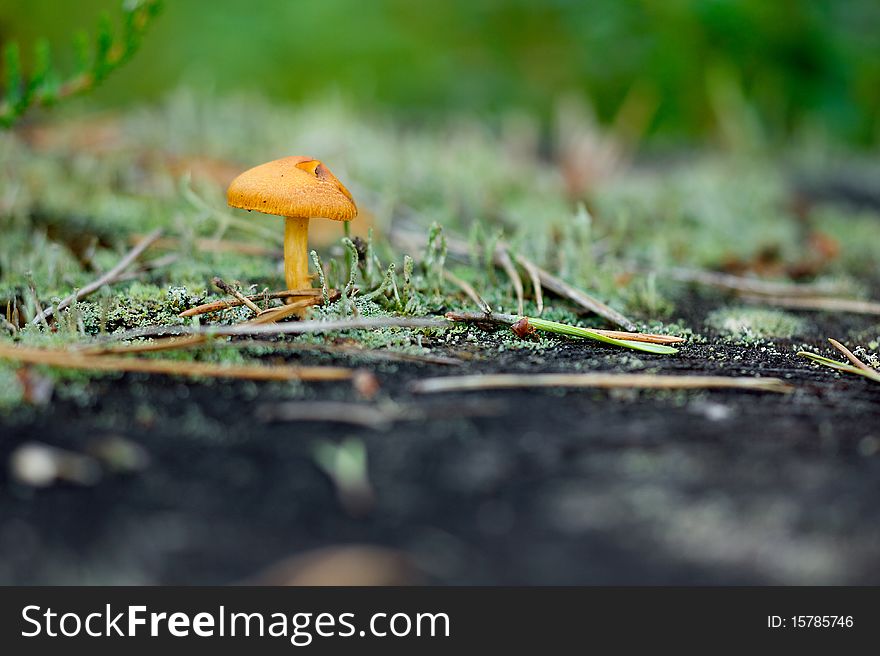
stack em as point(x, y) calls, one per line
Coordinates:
point(299, 189)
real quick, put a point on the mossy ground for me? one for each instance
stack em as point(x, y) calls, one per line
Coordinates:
point(77, 192)
point(692, 477)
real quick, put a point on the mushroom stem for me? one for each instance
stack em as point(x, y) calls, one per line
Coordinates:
point(296, 252)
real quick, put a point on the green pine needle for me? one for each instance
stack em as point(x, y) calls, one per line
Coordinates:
point(576, 331)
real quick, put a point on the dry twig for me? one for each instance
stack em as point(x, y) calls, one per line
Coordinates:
point(215, 306)
point(66, 359)
point(232, 291)
point(108, 278)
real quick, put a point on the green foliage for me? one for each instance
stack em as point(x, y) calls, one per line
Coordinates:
point(94, 62)
point(698, 69)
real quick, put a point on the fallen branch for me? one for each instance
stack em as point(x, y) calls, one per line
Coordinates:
point(106, 279)
point(596, 380)
point(66, 359)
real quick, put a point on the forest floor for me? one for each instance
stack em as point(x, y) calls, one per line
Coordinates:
point(114, 477)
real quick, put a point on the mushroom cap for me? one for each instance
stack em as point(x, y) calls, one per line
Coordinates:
point(292, 186)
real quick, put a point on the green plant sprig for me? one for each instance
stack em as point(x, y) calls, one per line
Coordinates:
point(577, 331)
point(45, 86)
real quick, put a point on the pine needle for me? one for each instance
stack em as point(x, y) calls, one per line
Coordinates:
point(215, 306)
point(647, 342)
point(66, 359)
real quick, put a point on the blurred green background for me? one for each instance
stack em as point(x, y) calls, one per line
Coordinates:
point(784, 68)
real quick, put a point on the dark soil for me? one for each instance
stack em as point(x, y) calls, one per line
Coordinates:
point(559, 487)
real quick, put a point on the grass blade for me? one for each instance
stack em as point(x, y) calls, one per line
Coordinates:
point(577, 331)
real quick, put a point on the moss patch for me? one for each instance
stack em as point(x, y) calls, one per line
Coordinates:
point(755, 323)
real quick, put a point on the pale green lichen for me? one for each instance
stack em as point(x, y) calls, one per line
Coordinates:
point(755, 323)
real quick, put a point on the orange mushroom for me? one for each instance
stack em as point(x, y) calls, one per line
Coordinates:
point(299, 189)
